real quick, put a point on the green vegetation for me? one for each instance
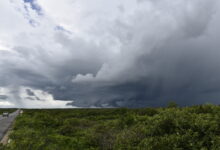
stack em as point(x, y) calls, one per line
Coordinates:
point(171, 128)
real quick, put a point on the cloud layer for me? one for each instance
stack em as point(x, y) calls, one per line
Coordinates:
point(105, 54)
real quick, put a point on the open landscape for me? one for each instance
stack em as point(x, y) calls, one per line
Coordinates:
point(110, 74)
point(171, 128)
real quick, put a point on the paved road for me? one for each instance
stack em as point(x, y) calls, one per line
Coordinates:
point(6, 122)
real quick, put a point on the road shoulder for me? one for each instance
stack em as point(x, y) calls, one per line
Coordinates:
point(5, 138)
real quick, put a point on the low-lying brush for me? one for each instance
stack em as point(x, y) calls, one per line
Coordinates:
point(172, 128)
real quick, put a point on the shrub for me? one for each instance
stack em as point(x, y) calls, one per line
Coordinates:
point(172, 105)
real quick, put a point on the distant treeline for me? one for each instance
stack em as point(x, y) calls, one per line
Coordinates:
point(9, 110)
point(171, 128)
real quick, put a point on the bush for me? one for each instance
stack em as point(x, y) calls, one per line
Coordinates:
point(172, 128)
point(172, 105)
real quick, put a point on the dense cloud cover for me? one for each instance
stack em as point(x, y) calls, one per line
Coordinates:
point(99, 53)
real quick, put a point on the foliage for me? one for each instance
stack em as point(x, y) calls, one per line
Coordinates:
point(172, 104)
point(171, 128)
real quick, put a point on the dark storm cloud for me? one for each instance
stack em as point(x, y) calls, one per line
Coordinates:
point(188, 75)
point(29, 92)
point(184, 67)
point(4, 97)
point(167, 53)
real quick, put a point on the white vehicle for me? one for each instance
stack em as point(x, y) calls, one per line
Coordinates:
point(5, 114)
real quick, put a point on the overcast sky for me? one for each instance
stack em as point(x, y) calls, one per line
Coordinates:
point(118, 53)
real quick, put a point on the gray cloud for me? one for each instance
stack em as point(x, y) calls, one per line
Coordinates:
point(30, 92)
point(161, 52)
point(3, 97)
point(32, 96)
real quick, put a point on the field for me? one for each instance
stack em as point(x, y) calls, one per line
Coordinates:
point(171, 128)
